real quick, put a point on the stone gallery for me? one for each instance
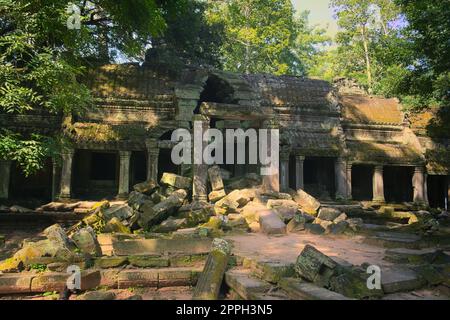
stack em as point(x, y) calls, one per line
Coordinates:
point(357, 210)
point(335, 142)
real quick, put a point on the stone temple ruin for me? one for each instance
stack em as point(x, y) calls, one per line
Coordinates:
point(347, 161)
point(336, 143)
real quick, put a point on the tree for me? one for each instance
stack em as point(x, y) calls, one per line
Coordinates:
point(367, 29)
point(191, 37)
point(41, 59)
point(266, 36)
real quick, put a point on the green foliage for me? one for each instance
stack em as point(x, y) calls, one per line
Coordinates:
point(266, 36)
point(39, 267)
point(41, 61)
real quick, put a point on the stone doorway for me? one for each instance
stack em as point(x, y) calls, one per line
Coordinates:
point(37, 186)
point(95, 174)
point(319, 177)
point(362, 186)
point(398, 186)
point(138, 168)
point(437, 187)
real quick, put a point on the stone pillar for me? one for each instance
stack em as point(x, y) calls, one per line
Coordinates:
point(66, 174)
point(284, 171)
point(152, 159)
point(349, 181)
point(5, 174)
point(271, 180)
point(378, 185)
point(448, 193)
point(299, 181)
point(340, 173)
point(56, 176)
point(419, 185)
point(124, 174)
point(199, 168)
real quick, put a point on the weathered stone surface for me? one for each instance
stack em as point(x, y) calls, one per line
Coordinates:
point(328, 214)
point(411, 256)
point(250, 180)
point(86, 240)
point(137, 199)
point(215, 196)
point(352, 282)
point(176, 181)
point(170, 225)
point(56, 234)
point(325, 224)
point(315, 266)
point(110, 262)
point(307, 202)
point(119, 211)
point(297, 224)
point(272, 271)
point(15, 283)
point(160, 246)
point(341, 217)
point(135, 278)
point(146, 187)
point(56, 281)
point(116, 226)
point(146, 261)
point(400, 279)
point(97, 295)
point(271, 223)
point(245, 284)
point(338, 228)
point(314, 228)
point(300, 290)
point(161, 211)
point(195, 217)
point(276, 195)
point(210, 280)
point(251, 211)
point(355, 224)
point(215, 178)
point(286, 209)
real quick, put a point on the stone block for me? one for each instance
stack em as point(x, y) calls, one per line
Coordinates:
point(271, 223)
point(176, 181)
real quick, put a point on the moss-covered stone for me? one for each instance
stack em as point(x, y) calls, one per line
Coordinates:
point(148, 261)
point(110, 262)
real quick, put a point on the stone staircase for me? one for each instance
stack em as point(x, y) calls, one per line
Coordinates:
point(126, 263)
point(260, 280)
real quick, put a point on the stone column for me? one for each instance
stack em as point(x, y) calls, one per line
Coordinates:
point(5, 174)
point(349, 181)
point(284, 171)
point(124, 174)
point(419, 182)
point(152, 159)
point(56, 172)
point(66, 174)
point(299, 181)
point(378, 185)
point(340, 173)
point(271, 180)
point(199, 168)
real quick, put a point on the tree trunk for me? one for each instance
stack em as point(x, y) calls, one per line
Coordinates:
point(208, 285)
point(367, 57)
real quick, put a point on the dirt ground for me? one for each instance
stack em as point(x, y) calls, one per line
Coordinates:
point(286, 248)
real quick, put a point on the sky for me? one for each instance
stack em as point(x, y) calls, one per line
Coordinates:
point(320, 13)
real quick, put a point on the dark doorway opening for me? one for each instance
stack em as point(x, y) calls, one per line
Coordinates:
point(36, 187)
point(138, 168)
point(95, 174)
point(319, 177)
point(362, 187)
point(437, 187)
point(215, 90)
point(398, 184)
point(165, 163)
